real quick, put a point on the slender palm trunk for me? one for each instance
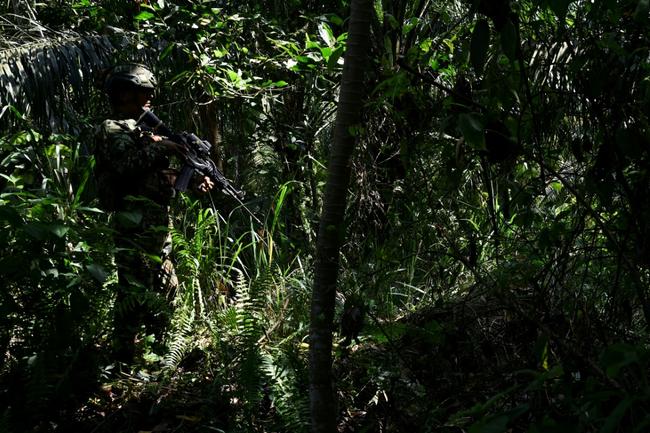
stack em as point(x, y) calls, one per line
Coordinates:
point(331, 231)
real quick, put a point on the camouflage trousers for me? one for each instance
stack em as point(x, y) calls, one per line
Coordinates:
point(146, 277)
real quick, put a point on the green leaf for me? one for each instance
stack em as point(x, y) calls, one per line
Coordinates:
point(167, 51)
point(630, 142)
point(390, 331)
point(541, 351)
point(556, 186)
point(379, 11)
point(154, 258)
point(129, 218)
point(10, 215)
point(549, 425)
point(6, 107)
point(143, 16)
point(8, 305)
point(613, 421)
point(79, 303)
point(335, 19)
point(642, 427)
point(234, 77)
point(540, 379)
point(326, 34)
point(496, 424)
point(335, 56)
point(509, 40)
point(642, 11)
point(393, 86)
point(471, 126)
point(480, 45)
point(326, 52)
point(58, 230)
point(618, 356)
point(394, 25)
point(410, 24)
point(90, 209)
point(98, 272)
point(559, 7)
point(41, 231)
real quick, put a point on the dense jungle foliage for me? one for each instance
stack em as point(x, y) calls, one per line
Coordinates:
point(495, 250)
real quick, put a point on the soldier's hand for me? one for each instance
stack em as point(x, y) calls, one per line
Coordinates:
point(206, 185)
point(172, 147)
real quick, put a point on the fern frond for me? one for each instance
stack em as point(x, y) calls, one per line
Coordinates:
point(181, 330)
point(290, 401)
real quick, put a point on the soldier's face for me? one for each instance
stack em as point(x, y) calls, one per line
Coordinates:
point(132, 102)
point(145, 96)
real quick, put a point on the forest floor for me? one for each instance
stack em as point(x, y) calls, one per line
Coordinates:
point(425, 369)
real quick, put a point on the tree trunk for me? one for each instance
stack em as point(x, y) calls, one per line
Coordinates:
point(331, 230)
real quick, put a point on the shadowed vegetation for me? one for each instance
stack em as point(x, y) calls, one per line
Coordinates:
point(494, 249)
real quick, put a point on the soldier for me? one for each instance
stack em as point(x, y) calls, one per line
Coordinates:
point(135, 181)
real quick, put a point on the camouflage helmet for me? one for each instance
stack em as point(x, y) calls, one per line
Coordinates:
point(130, 73)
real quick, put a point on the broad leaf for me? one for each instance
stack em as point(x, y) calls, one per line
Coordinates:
point(326, 34)
point(129, 218)
point(98, 272)
point(559, 7)
point(144, 15)
point(613, 421)
point(480, 45)
point(471, 126)
point(496, 424)
point(58, 230)
point(642, 11)
point(509, 40)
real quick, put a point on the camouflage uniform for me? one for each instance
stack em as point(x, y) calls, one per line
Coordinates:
point(134, 181)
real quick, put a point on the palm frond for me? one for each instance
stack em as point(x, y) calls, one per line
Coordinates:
point(48, 75)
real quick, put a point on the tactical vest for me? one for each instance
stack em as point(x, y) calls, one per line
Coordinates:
point(114, 182)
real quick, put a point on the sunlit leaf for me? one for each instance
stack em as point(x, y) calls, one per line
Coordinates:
point(326, 34)
point(144, 15)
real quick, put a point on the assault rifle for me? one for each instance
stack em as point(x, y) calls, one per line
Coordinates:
point(196, 158)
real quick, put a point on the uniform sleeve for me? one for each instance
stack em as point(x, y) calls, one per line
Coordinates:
point(119, 146)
